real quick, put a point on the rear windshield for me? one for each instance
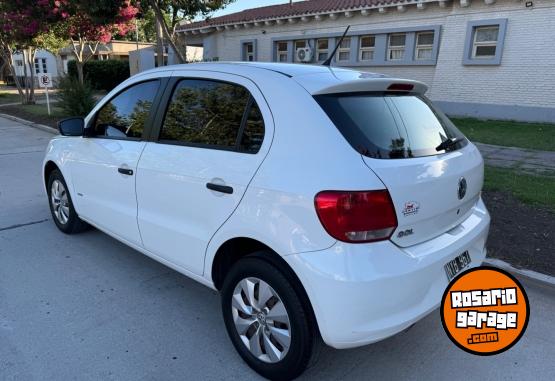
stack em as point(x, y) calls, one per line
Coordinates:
point(390, 126)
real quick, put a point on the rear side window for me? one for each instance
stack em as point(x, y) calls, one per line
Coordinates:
point(389, 126)
point(124, 117)
point(211, 114)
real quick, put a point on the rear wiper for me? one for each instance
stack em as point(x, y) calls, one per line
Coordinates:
point(446, 144)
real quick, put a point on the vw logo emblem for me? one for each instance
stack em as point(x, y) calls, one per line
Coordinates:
point(462, 188)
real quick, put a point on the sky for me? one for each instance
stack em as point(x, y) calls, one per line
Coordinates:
point(240, 5)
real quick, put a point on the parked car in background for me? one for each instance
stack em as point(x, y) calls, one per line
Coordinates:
point(320, 202)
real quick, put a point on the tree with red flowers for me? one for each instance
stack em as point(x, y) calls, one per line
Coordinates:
point(87, 24)
point(24, 27)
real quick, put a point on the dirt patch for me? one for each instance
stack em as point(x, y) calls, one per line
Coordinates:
point(520, 234)
point(19, 112)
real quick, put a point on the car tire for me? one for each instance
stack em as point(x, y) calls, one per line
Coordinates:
point(61, 205)
point(263, 345)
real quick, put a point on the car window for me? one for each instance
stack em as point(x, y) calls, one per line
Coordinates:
point(206, 113)
point(253, 135)
point(126, 114)
point(390, 126)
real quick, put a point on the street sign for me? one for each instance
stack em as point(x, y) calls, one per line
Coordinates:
point(45, 80)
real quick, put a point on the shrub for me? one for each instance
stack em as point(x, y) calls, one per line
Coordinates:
point(75, 99)
point(102, 75)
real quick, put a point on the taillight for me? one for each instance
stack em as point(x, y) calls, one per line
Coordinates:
point(400, 87)
point(357, 216)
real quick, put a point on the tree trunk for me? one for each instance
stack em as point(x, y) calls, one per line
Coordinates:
point(159, 44)
point(32, 53)
point(27, 67)
point(165, 29)
point(7, 54)
point(80, 73)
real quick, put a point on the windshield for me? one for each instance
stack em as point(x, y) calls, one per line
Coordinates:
point(390, 126)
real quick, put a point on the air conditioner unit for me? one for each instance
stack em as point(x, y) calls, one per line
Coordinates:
point(304, 54)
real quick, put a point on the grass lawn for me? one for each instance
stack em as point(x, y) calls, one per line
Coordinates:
point(530, 189)
point(9, 98)
point(511, 134)
point(37, 113)
point(42, 110)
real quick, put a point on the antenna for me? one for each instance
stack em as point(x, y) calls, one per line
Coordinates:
point(330, 58)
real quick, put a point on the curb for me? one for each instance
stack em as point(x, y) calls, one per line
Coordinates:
point(529, 274)
point(42, 127)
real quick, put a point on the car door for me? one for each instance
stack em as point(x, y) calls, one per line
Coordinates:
point(214, 134)
point(105, 160)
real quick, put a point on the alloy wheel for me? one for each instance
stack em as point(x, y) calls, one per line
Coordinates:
point(261, 320)
point(60, 202)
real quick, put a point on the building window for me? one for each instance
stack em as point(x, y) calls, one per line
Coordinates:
point(248, 51)
point(322, 49)
point(282, 55)
point(366, 48)
point(18, 62)
point(40, 66)
point(485, 41)
point(396, 46)
point(424, 45)
point(299, 44)
point(344, 51)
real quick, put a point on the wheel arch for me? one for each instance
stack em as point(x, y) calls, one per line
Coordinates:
point(234, 249)
point(49, 166)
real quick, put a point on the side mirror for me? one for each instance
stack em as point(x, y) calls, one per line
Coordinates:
point(71, 126)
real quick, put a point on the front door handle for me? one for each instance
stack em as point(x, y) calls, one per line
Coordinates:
point(125, 171)
point(220, 188)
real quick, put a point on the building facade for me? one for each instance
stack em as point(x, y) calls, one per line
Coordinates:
point(483, 58)
point(56, 65)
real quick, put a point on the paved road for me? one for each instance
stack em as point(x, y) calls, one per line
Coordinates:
point(87, 308)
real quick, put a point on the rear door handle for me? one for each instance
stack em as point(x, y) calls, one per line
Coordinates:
point(220, 188)
point(125, 171)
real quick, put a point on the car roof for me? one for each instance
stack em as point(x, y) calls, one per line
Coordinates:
point(316, 79)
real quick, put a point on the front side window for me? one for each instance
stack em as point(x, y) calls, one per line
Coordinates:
point(396, 46)
point(424, 45)
point(344, 51)
point(366, 48)
point(248, 51)
point(389, 126)
point(125, 116)
point(485, 41)
point(282, 55)
point(210, 114)
point(322, 49)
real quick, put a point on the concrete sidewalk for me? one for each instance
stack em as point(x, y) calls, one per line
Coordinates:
point(524, 160)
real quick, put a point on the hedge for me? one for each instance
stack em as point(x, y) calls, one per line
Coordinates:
point(102, 75)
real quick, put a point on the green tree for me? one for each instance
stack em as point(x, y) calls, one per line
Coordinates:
point(178, 10)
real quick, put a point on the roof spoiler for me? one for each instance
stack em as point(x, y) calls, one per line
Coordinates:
point(375, 84)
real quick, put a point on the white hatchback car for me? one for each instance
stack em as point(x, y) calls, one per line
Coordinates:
point(321, 202)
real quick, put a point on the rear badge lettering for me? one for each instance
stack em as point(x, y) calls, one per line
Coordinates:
point(411, 207)
point(405, 233)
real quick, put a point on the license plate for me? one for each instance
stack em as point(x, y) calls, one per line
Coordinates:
point(455, 266)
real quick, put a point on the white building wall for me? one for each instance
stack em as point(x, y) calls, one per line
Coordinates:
point(525, 78)
point(51, 64)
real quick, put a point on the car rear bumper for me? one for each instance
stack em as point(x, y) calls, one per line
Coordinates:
point(363, 293)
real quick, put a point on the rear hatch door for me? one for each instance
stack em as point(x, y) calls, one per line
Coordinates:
point(398, 134)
